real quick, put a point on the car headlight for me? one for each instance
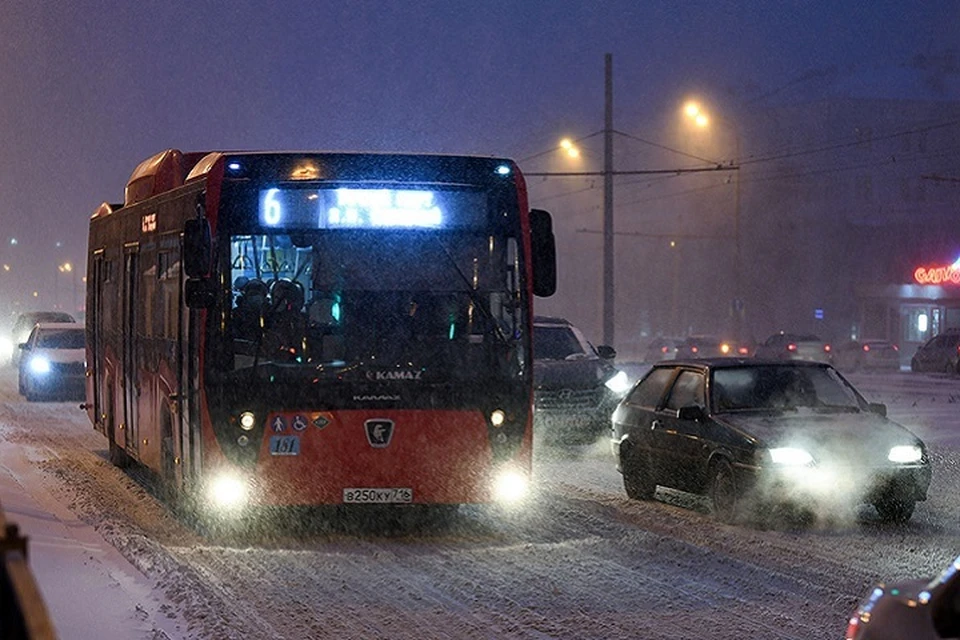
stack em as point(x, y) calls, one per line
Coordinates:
point(791, 456)
point(40, 365)
point(905, 454)
point(6, 348)
point(619, 383)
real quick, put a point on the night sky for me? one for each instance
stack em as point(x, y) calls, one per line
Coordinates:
point(89, 89)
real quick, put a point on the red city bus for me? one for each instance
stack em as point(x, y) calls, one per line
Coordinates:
point(319, 328)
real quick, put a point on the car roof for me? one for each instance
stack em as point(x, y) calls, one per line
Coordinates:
point(551, 320)
point(57, 326)
point(730, 363)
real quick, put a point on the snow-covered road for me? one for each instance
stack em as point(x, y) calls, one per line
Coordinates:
point(582, 561)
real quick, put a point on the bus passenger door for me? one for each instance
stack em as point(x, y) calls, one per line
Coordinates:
point(188, 389)
point(130, 377)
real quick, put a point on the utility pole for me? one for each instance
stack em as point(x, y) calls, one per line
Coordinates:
point(608, 302)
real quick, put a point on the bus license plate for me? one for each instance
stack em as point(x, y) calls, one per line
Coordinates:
point(377, 496)
point(284, 445)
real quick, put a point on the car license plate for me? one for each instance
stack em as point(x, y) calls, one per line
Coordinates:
point(284, 445)
point(378, 496)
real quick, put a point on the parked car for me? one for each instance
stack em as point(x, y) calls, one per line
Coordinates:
point(873, 355)
point(941, 353)
point(794, 346)
point(21, 329)
point(53, 361)
point(914, 609)
point(576, 385)
point(757, 436)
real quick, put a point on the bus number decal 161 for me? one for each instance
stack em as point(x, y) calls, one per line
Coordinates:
point(284, 445)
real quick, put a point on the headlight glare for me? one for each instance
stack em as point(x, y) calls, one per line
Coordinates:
point(510, 486)
point(619, 383)
point(790, 456)
point(227, 491)
point(39, 365)
point(905, 454)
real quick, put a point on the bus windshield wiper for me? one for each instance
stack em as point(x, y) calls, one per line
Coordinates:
point(498, 331)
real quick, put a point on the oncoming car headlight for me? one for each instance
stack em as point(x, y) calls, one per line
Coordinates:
point(510, 486)
point(227, 491)
point(619, 383)
point(791, 456)
point(905, 454)
point(40, 365)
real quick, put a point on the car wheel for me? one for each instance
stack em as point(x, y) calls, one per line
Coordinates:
point(892, 509)
point(637, 481)
point(723, 492)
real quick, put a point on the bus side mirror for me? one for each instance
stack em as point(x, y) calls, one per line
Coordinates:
point(196, 247)
point(199, 293)
point(544, 249)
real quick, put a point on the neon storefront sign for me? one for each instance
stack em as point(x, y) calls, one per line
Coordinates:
point(949, 274)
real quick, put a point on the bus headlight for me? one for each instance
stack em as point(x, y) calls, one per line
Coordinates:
point(497, 417)
point(510, 486)
point(40, 365)
point(247, 420)
point(227, 491)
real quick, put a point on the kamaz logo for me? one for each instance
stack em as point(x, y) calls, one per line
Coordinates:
point(394, 375)
point(379, 432)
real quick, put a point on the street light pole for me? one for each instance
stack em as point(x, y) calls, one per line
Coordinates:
point(608, 303)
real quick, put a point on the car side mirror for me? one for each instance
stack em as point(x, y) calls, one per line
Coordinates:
point(606, 352)
point(878, 408)
point(690, 412)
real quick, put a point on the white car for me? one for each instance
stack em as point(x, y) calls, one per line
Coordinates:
point(53, 361)
point(915, 609)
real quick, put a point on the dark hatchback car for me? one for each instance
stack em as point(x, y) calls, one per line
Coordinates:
point(939, 354)
point(755, 435)
point(576, 386)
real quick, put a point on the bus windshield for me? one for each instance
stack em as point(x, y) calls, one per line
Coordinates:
point(326, 302)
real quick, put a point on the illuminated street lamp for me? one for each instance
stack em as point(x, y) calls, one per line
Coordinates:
point(695, 112)
point(66, 268)
point(571, 149)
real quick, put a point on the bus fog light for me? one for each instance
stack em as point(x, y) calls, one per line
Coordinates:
point(227, 491)
point(510, 486)
point(247, 420)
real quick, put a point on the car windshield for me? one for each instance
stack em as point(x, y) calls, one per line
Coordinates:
point(61, 339)
point(780, 387)
point(557, 343)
